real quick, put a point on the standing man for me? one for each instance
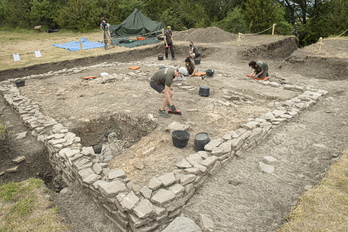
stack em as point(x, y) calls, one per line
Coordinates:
point(161, 81)
point(260, 70)
point(169, 43)
point(105, 26)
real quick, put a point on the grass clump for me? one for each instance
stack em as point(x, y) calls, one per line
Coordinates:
point(325, 207)
point(25, 207)
point(2, 131)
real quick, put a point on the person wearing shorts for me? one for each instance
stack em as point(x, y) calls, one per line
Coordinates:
point(161, 81)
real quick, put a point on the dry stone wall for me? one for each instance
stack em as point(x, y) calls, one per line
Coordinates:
point(151, 207)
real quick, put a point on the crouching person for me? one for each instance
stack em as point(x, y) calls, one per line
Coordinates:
point(260, 70)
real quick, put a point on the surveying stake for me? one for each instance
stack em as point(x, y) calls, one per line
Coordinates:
point(319, 44)
point(273, 28)
point(240, 36)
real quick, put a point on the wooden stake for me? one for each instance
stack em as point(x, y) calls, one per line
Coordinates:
point(319, 44)
point(274, 24)
point(239, 40)
point(81, 47)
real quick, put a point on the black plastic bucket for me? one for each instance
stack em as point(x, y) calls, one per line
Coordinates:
point(197, 61)
point(20, 83)
point(160, 57)
point(180, 138)
point(209, 72)
point(201, 139)
point(204, 91)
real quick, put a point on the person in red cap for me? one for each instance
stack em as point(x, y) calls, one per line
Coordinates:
point(169, 43)
point(161, 81)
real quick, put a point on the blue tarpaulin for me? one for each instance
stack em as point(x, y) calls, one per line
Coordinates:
point(75, 45)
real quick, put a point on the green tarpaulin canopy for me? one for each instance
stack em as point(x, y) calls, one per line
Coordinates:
point(136, 24)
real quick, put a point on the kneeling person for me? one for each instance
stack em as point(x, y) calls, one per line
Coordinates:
point(161, 81)
point(260, 69)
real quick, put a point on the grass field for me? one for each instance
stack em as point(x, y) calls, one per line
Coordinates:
point(325, 206)
point(27, 42)
point(25, 207)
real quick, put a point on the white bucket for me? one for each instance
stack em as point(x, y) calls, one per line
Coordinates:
point(104, 74)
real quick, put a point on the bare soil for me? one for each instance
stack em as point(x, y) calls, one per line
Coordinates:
point(305, 147)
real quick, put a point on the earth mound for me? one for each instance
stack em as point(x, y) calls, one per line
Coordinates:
point(205, 35)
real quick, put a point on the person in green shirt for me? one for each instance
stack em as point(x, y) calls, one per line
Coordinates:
point(161, 81)
point(169, 43)
point(260, 69)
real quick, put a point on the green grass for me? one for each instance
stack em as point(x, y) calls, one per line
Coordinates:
point(324, 207)
point(2, 130)
point(25, 43)
point(24, 208)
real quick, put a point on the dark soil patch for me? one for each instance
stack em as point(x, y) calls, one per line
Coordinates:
point(36, 162)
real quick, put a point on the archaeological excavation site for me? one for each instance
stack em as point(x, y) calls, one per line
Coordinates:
point(96, 120)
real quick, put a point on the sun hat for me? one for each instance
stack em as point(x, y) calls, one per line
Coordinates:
point(183, 71)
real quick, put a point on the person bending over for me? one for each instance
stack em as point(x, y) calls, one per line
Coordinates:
point(260, 69)
point(161, 81)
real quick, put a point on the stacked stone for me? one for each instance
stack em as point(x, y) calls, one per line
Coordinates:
point(28, 110)
point(147, 208)
point(80, 69)
point(255, 130)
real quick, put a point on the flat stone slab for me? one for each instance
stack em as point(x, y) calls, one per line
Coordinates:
point(144, 209)
point(111, 189)
point(18, 159)
point(163, 196)
point(182, 224)
point(266, 167)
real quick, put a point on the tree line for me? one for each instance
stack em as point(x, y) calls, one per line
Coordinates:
point(306, 19)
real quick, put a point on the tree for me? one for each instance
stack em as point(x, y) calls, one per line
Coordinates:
point(44, 12)
point(180, 14)
point(15, 13)
point(79, 15)
point(262, 14)
point(234, 22)
point(218, 10)
point(116, 11)
point(154, 10)
point(334, 16)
